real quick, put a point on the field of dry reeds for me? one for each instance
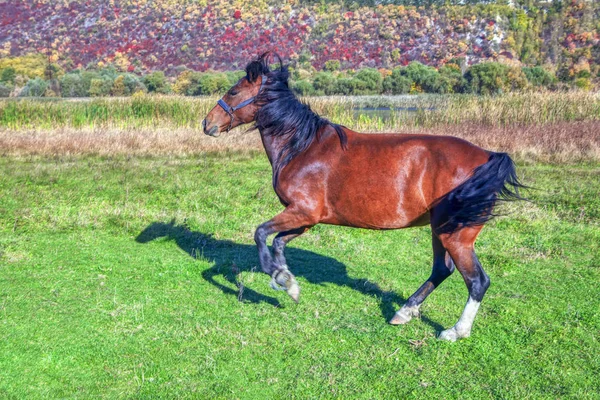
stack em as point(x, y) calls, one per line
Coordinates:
point(549, 127)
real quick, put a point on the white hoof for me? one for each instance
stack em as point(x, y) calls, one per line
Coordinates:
point(449, 335)
point(294, 290)
point(404, 315)
point(283, 279)
point(452, 335)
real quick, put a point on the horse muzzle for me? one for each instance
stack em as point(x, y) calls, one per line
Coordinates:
point(212, 131)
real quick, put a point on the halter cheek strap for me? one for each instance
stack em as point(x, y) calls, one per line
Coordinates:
point(230, 110)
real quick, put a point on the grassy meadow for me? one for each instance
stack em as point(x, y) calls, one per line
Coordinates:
point(128, 268)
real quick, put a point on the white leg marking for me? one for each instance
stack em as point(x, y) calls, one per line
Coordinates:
point(462, 329)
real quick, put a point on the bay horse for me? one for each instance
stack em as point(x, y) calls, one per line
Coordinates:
point(327, 173)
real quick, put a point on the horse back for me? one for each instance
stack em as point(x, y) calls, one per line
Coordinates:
point(379, 181)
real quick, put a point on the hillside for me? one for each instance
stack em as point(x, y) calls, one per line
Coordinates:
point(143, 35)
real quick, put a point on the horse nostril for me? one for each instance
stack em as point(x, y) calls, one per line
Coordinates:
point(214, 131)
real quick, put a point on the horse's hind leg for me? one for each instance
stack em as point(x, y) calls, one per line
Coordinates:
point(281, 240)
point(460, 246)
point(442, 268)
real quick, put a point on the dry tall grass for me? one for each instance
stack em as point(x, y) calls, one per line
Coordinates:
point(556, 127)
point(560, 142)
point(425, 111)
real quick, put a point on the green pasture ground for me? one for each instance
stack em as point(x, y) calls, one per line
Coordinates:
point(138, 278)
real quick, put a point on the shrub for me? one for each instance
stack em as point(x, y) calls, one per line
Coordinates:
point(451, 79)
point(34, 88)
point(539, 77)
point(396, 83)
point(157, 82)
point(516, 79)
point(5, 90)
point(209, 83)
point(487, 78)
point(424, 77)
point(583, 84)
point(133, 84)
point(372, 79)
point(303, 88)
point(118, 87)
point(324, 82)
point(7, 75)
point(332, 65)
point(100, 86)
point(73, 85)
point(183, 82)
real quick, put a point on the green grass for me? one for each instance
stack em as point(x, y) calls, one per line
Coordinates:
point(121, 278)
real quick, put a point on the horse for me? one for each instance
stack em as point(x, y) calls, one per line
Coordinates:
point(326, 173)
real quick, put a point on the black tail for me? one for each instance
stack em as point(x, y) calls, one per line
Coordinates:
point(472, 202)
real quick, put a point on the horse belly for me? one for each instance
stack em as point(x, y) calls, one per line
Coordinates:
point(378, 204)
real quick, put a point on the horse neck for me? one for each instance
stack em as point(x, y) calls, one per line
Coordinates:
point(273, 146)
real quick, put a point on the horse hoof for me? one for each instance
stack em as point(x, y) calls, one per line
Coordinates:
point(452, 335)
point(294, 290)
point(400, 319)
point(404, 315)
point(449, 335)
point(284, 280)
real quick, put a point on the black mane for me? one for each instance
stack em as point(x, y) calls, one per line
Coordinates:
point(282, 114)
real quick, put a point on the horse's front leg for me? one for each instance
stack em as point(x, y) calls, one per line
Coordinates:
point(289, 224)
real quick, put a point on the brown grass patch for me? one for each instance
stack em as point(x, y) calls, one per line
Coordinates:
point(560, 142)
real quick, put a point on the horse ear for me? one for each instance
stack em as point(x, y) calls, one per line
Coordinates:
point(280, 61)
point(258, 67)
point(264, 57)
point(268, 55)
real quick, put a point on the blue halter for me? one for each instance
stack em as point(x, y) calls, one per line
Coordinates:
point(230, 110)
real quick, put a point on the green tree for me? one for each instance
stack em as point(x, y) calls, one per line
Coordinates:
point(349, 86)
point(234, 76)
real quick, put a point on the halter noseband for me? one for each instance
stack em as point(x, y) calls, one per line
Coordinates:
point(230, 110)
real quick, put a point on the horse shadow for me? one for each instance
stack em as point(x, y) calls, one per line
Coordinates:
point(230, 258)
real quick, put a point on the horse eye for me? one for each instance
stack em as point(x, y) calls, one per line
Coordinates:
point(233, 92)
